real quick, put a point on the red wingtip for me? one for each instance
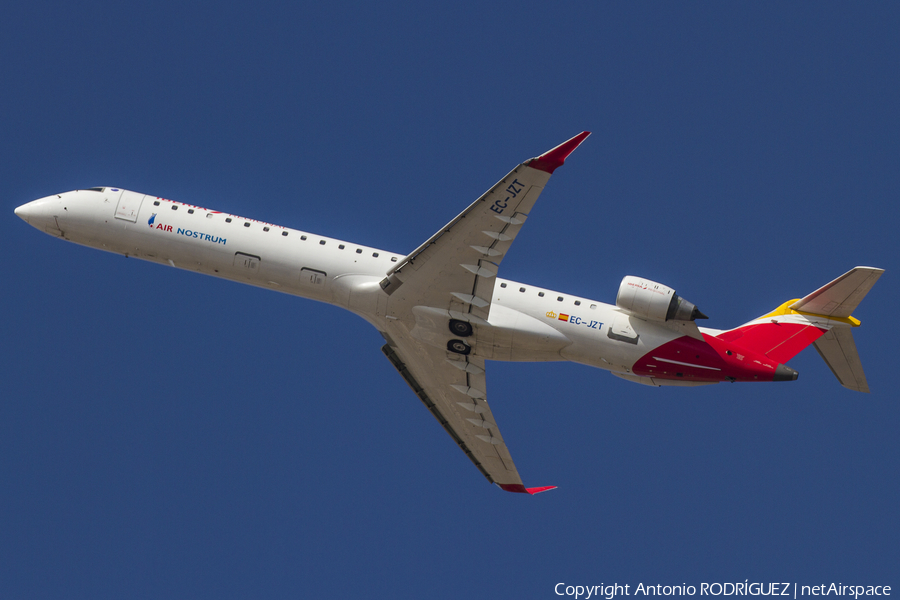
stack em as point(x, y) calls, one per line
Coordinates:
point(553, 159)
point(521, 489)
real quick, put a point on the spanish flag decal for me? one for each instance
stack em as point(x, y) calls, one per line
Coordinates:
point(563, 317)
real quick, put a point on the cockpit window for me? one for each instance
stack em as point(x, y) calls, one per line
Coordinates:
point(95, 189)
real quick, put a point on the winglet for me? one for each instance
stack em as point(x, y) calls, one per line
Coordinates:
point(553, 159)
point(521, 489)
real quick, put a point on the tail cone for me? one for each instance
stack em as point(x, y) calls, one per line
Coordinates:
point(783, 373)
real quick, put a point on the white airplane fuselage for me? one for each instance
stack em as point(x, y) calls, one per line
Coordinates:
point(526, 323)
point(443, 311)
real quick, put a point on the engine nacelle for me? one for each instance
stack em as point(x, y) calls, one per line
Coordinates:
point(650, 300)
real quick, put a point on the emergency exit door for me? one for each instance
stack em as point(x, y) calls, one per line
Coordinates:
point(129, 206)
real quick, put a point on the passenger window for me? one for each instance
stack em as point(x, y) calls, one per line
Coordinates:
point(246, 224)
point(559, 299)
point(228, 219)
point(284, 233)
point(156, 203)
point(593, 306)
point(359, 250)
point(174, 207)
point(340, 247)
point(209, 215)
point(503, 285)
point(265, 228)
point(521, 289)
point(393, 259)
point(375, 254)
point(303, 237)
point(578, 303)
point(321, 242)
point(190, 211)
point(541, 294)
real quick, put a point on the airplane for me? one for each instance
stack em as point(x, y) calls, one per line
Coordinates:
point(444, 311)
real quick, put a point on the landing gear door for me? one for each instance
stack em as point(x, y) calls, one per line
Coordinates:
point(129, 205)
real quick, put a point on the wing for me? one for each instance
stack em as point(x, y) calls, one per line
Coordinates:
point(455, 268)
point(453, 388)
point(450, 278)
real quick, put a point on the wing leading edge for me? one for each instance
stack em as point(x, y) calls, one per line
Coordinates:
point(451, 276)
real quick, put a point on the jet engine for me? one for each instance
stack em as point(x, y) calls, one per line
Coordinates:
point(650, 300)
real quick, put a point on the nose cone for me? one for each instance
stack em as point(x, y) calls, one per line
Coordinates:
point(42, 214)
point(22, 212)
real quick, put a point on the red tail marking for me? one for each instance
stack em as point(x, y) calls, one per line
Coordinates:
point(778, 341)
point(521, 489)
point(551, 160)
point(688, 359)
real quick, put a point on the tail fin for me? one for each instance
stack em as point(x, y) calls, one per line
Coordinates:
point(822, 318)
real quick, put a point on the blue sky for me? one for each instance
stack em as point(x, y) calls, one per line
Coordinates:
point(165, 434)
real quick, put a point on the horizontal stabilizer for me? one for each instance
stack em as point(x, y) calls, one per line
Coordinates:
point(838, 350)
point(840, 297)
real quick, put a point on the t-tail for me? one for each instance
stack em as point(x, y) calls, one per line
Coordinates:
point(822, 318)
